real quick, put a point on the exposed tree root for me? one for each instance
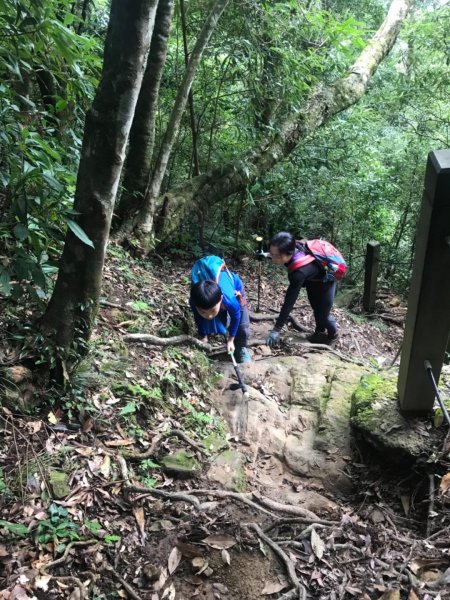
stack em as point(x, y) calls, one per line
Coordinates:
point(151, 451)
point(300, 590)
point(84, 592)
point(175, 340)
point(286, 508)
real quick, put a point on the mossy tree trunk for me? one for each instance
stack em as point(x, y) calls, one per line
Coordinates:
point(325, 101)
point(70, 314)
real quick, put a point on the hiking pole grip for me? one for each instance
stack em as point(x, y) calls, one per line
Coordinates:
point(238, 374)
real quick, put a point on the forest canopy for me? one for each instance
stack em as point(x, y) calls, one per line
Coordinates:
point(355, 178)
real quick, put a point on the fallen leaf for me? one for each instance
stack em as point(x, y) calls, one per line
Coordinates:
point(174, 560)
point(188, 550)
point(226, 557)
point(105, 467)
point(199, 564)
point(273, 587)
point(41, 582)
point(113, 443)
point(406, 503)
point(317, 544)
point(377, 516)
point(52, 418)
point(220, 541)
point(390, 595)
point(445, 484)
point(412, 595)
point(139, 515)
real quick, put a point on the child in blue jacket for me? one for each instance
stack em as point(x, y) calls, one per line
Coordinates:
point(217, 304)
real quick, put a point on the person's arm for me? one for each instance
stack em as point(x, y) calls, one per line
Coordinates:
point(234, 310)
point(200, 322)
point(296, 281)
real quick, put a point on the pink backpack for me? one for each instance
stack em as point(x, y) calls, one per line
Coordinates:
point(327, 257)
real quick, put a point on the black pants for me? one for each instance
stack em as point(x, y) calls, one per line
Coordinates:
point(321, 297)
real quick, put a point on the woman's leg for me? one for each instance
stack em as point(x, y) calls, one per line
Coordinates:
point(321, 297)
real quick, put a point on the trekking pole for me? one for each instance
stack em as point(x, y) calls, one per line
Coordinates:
point(259, 255)
point(238, 374)
point(429, 370)
point(242, 424)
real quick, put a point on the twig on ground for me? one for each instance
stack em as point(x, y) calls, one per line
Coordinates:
point(299, 588)
point(62, 559)
point(140, 489)
point(430, 505)
point(397, 354)
point(126, 586)
point(234, 496)
point(156, 440)
point(70, 578)
point(357, 346)
point(302, 521)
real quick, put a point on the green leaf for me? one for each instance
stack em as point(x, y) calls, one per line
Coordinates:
point(79, 232)
point(15, 528)
point(93, 526)
point(5, 282)
point(128, 408)
point(110, 539)
point(21, 232)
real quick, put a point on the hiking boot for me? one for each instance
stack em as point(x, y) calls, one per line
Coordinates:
point(332, 337)
point(242, 355)
point(318, 337)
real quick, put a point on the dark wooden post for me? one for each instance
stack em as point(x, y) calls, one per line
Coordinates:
point(371, 275)
point(428, 317)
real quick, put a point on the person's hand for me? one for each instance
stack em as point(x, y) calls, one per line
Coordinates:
point(230, 345)
point(272, 338)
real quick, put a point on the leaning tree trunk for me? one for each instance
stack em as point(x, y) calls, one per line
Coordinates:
point(70, 314)
point(144, 220)
point(142, 134)
point(322, 103)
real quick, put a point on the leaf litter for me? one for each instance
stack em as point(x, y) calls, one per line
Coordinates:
point(102, 539)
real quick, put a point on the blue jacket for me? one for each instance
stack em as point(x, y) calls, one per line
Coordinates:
point(228, 286)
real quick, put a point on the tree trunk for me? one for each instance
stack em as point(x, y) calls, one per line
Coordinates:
point(70, 314)
point(195, 162)
point(322, 103)
point(144, 221)
point(142, 134)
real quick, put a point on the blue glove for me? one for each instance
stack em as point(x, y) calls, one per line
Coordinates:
point(272, 338)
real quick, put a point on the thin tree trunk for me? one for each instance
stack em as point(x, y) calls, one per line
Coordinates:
point(195, 161)
point(142, 134)
point(144, 221)
point(70, 314)
point(323, 103)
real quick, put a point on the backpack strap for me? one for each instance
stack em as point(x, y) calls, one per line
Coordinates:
point(301, 257)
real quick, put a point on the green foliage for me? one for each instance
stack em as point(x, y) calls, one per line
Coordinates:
point(48, 75)
point(16, 529)
point(59, 528)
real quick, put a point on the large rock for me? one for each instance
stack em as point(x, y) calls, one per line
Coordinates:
point(298, 412)
point(376, 416)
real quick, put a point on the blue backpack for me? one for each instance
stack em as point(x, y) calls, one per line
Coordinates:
point(210, 268)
